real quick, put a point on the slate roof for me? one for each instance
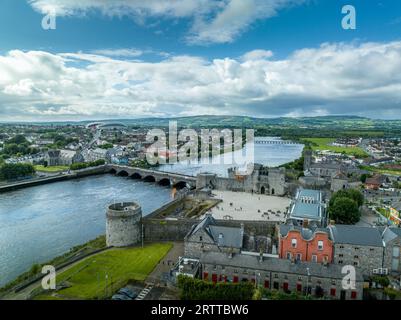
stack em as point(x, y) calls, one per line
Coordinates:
point(242, 261)
point(390, 234)
point(355, 235)
point(221, 235)
point(226, 237)
point(306, 233)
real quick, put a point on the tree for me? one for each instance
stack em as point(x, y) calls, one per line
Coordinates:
point(10, 171)
point(344, 211)
point(353, 194)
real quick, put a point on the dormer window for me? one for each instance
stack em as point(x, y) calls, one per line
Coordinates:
point(200, 238)
point(294, 243)
point(320, 245)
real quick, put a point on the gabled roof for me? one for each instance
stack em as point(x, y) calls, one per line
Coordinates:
point(221, 235)
point(226, 236)
point(390, 234)
point(306, 233)
point(355, 235)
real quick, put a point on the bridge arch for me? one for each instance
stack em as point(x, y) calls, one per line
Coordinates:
point(113, 171)
point(165, 182)
point(149, 179)
point(181, 185)
point(136, 175)
point(123, 173)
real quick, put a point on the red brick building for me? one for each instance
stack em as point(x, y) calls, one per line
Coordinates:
point(305, 244)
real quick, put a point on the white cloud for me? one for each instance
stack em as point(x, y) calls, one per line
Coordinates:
point(360, 79)
point(214, 21)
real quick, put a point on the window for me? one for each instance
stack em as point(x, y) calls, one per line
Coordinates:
point(340, 262)
point(356, 248)
point(245, 271)
point(356, 263)
point(201, 238)
point(314, 258)
point(214, 267)
point(294, 243)
point(289, 255)
point(276, 285)
point(333, 292)
point(299, 257)
point(356, 257)
point(340, 255)
point(353, 295)
point(341, 247)
point(299, 278)
point(320, 245)
point(267, 284)
point(276, 276)
point(299, 287)
point(372, 249)
point(333, 282)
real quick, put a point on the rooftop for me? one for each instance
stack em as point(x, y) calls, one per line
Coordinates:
point(275, 265)
point(355, 235)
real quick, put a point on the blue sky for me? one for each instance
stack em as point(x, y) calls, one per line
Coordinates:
point(198, 57)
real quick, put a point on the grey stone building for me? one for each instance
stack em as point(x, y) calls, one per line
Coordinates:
point(357, 246)
point(63, 157)
point(208, 236)
point(261, 179)
point(392, 242)
point(339, 182)
point(279, 274)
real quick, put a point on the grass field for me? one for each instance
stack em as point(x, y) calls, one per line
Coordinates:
point(324, 144)
point(382, 170)
point(99, 276)
point(51, 169)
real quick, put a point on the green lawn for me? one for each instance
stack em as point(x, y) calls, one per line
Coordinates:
point(99, 276)
point(51, 169)
point(324, 144)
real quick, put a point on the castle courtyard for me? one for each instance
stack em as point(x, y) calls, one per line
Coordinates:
point(248, 206)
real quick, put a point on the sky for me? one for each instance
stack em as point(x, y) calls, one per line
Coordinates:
point(157, 58)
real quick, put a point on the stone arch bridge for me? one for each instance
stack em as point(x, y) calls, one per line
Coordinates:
point(175, 180)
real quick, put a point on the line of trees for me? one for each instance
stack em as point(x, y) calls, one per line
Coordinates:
point(195, 289)
point(84, 165)
point(14, 171)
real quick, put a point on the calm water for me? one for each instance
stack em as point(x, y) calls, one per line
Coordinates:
point(42, 222)
point(267, 154)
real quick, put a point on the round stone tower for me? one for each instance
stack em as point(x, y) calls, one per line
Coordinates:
point(123, 224)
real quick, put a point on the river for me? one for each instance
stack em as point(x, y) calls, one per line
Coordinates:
point(42, 222)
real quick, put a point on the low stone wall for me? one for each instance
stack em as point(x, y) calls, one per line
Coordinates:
point(61, 177)
point(166, 230)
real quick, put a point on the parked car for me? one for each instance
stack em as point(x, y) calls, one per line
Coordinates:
point(127, 292)
point(120, 297)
